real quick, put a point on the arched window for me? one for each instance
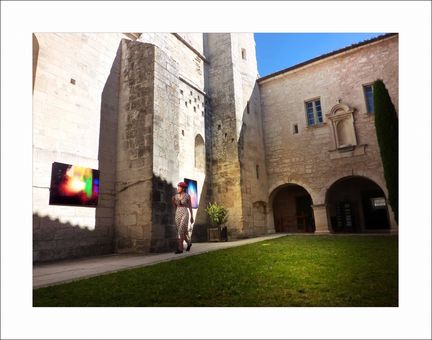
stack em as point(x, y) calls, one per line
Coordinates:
point(199, 153)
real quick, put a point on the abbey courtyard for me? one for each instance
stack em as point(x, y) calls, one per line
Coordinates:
point(133, 114)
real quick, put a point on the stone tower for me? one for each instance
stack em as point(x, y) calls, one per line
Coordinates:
point(239, 180)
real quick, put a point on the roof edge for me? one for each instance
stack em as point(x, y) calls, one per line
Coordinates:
point(327, 55)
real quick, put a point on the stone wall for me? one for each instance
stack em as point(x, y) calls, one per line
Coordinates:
point(249, 134)
point(74, 121)
point(133, 209)
point(166, 150)
point(191, 66)
point(151, 112)
point(77, 76)
point(226, 187)
point(178, 147)
point(309, 158)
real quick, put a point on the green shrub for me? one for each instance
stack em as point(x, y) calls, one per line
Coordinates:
point(387, 128)
point(218, 214)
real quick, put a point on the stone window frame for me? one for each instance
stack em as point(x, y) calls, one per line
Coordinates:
point(316, 122)
point(365, 98)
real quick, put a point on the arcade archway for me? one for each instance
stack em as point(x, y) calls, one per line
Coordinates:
point(357, 204)
point(292, 210)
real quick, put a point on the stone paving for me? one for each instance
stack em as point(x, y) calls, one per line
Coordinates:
point(50, 274)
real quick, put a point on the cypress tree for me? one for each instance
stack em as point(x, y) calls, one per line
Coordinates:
point(387, 129)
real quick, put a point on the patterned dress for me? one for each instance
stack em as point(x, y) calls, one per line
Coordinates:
point(182, 215)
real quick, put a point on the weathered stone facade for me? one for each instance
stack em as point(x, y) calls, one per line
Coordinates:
point(310, 158)
point(151, 109)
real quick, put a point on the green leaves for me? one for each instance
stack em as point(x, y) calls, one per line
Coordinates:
point(218, 214)
point(387, 130)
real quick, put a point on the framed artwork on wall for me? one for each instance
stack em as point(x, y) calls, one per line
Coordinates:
point(192, 190)
point(74, 185)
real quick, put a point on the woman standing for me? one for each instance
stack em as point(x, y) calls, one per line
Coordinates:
point(182, 202)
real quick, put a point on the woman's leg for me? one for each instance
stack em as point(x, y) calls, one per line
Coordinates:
point(180, 244)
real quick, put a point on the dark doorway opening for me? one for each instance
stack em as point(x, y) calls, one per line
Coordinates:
point(356, 204)
point(375, 210)
point(292, 208)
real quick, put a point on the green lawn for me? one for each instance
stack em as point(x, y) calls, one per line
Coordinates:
point(331, 270)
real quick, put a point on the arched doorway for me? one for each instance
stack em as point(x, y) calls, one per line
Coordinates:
point(357, 204)
point(292, 210)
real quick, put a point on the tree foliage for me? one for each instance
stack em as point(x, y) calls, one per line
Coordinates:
point(387, 130)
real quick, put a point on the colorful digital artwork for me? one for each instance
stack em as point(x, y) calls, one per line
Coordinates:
point(192, 190)
point(74, 185)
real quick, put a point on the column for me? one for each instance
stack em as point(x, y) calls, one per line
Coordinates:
point(321, 220)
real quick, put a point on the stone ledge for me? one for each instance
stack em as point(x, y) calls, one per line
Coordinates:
point(348, 151)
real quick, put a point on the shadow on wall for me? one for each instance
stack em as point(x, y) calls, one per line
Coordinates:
point(163, 236)
point(108, 148)
point(199, 232)
point(55, 240)
point(163, 221)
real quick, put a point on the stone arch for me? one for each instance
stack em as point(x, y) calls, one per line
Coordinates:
point(290, 209)
point(320, 197)
point(356, 204)
point(200, 155)
point(339, 108)
point(280, 184)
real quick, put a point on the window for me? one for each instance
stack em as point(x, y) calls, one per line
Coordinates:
point(313, 112)
point(257, 171)
point(247, 108)
point(378, 203)
point(367, 89)
point(243, 52)
point(200, 153)
point(295, 129)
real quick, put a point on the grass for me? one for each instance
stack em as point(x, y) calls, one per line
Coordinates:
point(325, 271)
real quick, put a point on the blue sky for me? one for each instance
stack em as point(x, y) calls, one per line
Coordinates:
point(276, 51)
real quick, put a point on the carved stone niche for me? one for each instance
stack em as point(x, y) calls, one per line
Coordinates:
point(342, 126)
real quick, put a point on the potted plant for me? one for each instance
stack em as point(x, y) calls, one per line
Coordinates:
point(218, 216)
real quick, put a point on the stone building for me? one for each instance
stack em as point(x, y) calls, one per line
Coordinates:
point(294, 151)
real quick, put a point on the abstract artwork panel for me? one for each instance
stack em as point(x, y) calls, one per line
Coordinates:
point(74, 185)
point(192, 190)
